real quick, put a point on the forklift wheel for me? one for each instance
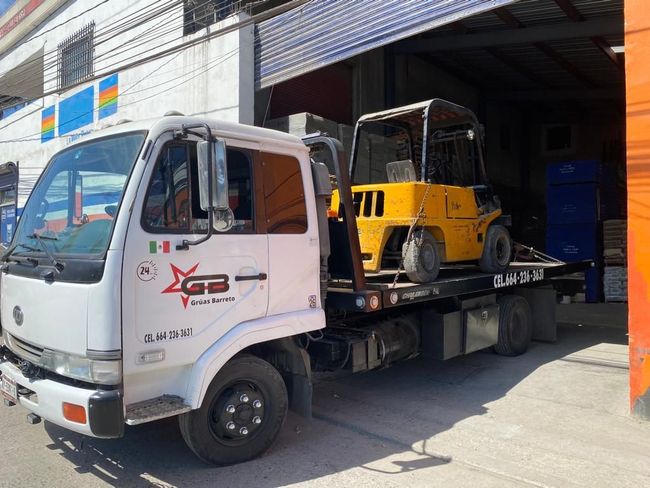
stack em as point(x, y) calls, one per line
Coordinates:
point(421, 258)
point(497, 250)
point(515, 326)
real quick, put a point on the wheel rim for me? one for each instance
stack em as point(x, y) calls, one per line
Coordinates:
point(427, 257)
point(237, 413)
point(502, 251)
point(517, 332)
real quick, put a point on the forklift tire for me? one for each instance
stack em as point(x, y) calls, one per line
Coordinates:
point(420, 257)
point(497, 250)
point(515, 326)
point(241, 414)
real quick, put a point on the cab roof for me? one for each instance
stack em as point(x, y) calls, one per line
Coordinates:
point(440, 113)
point(220, 128)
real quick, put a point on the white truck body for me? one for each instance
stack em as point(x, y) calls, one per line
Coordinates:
point(188, 267)
point(166, 341)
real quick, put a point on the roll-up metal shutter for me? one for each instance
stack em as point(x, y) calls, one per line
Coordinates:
point(323, 32)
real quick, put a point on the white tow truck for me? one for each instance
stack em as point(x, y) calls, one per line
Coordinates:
point(188, 267)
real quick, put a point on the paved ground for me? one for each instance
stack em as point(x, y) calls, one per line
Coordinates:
point(556, 416)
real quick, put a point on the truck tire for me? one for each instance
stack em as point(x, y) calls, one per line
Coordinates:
point(515, 326)
point(420, 257)
point(497, 250)
point(241, 414)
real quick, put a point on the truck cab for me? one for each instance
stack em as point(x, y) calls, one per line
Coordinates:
point(147, 256)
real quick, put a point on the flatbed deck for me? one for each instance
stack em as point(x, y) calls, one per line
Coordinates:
point(381, 291)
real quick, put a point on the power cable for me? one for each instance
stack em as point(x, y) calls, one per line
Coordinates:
point(54, 51)
point(151, 30)
point(212, 64)
point(190, 43)
point(49, 59)
point(26, 79)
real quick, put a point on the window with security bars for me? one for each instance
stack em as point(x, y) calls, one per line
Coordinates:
point(76, 57)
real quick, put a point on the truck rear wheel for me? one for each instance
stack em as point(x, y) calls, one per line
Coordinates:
point(515, 325)
point(420, 257)
point(241, 414)
point(497, 250)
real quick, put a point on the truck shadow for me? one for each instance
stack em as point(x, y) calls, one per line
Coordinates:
point(391, 415)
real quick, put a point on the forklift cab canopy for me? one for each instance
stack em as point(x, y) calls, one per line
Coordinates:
point(426, 124)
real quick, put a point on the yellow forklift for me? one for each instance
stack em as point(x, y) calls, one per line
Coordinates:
point(421, 194)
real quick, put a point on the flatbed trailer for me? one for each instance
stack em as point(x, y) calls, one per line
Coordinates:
point(379, 318)
point(454, 281)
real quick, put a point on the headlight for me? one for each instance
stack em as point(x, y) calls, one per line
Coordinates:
point(84, 369)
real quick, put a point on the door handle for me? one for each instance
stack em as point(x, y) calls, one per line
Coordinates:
point(261, 277)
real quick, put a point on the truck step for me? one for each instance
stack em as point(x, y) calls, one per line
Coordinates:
point(154, 409)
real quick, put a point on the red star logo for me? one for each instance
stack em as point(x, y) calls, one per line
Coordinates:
point(178, 277)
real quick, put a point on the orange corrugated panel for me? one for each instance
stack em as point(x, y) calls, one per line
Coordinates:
point(637, 69)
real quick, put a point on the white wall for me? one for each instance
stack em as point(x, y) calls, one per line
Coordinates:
point(214, 78)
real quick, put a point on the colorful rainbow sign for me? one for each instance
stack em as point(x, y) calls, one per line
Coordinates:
point(108, 96)
point(47, 124)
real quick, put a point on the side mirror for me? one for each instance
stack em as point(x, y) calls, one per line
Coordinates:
point(221, 171)
point(213, 182)
point(213, 154)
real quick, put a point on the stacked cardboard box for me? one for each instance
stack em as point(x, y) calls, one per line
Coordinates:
point(305, 123)
point(615, 283)
point(615, 242)
point(615, 258)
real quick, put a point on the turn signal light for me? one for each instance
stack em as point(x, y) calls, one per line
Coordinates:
point(74, 413)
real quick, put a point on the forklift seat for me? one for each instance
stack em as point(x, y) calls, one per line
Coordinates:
point(401, 171)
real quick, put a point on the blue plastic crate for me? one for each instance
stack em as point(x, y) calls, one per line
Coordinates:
point(574, 242)
point(594, 285)
point(572, 204)
point(587, 171)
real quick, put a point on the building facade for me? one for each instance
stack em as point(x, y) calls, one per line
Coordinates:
point(87, 65)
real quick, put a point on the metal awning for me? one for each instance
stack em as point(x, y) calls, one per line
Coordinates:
point(323, 32)
point(25, 81)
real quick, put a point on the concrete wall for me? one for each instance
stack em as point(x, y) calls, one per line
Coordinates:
point(369, 83)
point(417, 80)
point(214, 78)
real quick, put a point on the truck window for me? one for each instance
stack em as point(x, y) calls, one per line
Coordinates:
point(167, 206)
point(284, 196)
point(75, 201)
point(172, 204)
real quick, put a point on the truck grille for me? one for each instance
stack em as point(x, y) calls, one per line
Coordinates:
point(24, 349)
point(368, 203)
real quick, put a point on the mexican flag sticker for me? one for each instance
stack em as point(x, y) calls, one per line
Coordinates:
point(159, 247)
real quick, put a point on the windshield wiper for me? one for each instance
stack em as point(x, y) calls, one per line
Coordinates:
point(20, 259)
point(58, 266)
point(49, 238)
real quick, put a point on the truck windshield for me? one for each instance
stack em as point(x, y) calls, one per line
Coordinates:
point(72, 207)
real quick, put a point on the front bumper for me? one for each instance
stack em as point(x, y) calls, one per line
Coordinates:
point(45, 397)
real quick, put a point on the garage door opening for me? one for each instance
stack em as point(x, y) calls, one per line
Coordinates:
point(546, 78)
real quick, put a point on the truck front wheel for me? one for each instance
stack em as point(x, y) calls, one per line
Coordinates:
point(241, 414)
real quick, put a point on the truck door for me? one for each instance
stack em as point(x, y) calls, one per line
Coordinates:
point(183, 301)
point(294, 252)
